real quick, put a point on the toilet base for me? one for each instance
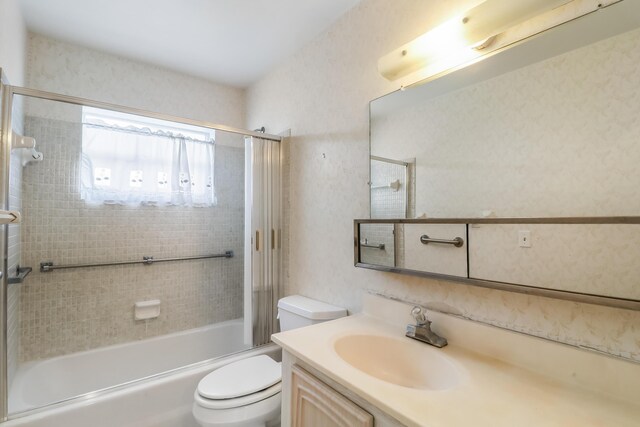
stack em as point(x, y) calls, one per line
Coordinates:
point(265, 413)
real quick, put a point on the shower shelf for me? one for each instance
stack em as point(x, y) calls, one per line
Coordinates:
point(22, 273)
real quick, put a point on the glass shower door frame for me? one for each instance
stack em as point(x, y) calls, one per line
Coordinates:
point(7, 93)
point(5, 159)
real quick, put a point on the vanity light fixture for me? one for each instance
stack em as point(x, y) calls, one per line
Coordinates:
point(462, 38)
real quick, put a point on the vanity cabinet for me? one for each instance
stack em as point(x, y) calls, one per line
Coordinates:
point(313, 403)
point(312, 399)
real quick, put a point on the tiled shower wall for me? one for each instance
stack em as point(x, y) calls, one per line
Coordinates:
point(66, 311)
point(386, 203)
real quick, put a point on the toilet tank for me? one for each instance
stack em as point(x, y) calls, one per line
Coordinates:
point(296, 311)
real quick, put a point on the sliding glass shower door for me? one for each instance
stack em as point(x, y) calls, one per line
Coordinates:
point(129, 260)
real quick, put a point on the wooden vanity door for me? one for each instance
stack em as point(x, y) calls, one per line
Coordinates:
point(315, 404)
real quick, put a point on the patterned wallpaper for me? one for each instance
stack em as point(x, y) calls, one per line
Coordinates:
point(322, 94)
point(64, 68)
point(13, 42)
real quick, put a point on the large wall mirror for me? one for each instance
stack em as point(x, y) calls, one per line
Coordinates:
point(533, 152)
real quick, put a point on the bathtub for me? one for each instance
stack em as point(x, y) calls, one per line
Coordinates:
point(132, 396)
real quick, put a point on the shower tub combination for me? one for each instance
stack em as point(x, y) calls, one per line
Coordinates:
point(149, 382)
point(129, 390)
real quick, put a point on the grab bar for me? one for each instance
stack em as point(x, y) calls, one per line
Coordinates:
point(457, 242)
point(394, 185)
point(365, 244)
point(147, 260)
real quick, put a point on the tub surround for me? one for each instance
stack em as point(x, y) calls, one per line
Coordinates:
point(44, 382)
point(163, 401)
point(94, 306)
point(504, 377)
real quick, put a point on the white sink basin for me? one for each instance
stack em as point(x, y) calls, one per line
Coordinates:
point(399, 361)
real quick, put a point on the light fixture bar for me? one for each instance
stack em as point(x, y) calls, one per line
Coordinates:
point(455, 39)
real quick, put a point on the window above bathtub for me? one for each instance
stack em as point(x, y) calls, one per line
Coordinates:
point(130, 159)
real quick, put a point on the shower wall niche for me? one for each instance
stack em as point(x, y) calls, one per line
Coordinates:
point(66, 311)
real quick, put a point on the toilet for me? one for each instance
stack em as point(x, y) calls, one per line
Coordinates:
point(247, 393)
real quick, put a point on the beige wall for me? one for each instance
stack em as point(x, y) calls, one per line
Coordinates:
point(13, 42)
point(322, 94)
point(69, 69)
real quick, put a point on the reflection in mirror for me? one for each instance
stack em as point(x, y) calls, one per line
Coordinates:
point(599, 259)
point(392, 188)
point(377, 244)
point(555, 138)
point(589, 260)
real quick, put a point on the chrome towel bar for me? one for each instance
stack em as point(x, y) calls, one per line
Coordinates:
point(147, 260)
point(457, 242)
point(365, 244)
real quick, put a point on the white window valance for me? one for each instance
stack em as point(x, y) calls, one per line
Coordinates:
point(128, 164)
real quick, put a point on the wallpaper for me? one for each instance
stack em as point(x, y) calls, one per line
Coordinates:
point(64, 68)
point(13, 42)
point(322, 94)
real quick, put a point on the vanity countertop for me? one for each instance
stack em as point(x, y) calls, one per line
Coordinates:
point(492, 391)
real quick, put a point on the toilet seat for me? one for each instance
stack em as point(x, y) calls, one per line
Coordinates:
point(240, 383)
point(238, 401)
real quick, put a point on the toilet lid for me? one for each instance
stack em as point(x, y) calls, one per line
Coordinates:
point(241, 378)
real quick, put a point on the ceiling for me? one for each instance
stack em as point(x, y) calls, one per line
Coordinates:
point(234, 42)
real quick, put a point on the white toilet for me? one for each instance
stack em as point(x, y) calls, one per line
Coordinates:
point(246, 393)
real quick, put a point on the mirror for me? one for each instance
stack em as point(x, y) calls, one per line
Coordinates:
point(547, 128)
point(533, 151)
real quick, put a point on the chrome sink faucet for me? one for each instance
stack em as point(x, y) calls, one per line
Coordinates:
point(421, 331)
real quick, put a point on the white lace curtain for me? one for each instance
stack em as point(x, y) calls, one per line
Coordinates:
point(130, 165)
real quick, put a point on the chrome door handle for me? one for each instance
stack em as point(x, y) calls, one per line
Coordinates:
point(10, 217)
